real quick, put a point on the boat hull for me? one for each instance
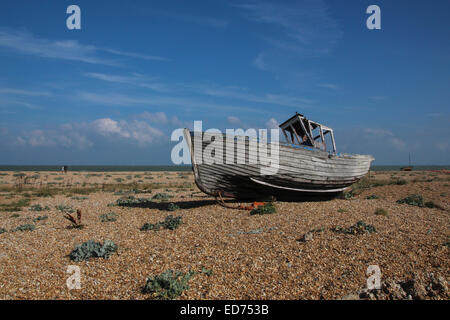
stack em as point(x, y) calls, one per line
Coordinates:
point(301, 172)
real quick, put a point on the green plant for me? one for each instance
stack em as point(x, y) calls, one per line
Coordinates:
point(358, 228)
point(170, 222)
point(161, 196)
point(19, 175)
point(65, 209)
point(25, 227)
point(93, 249)
point(381, 212)
point(413, 200)
point(401, 182)
point(38, 207)
point(2, 230)
point(131, 201)
point(132, 191)
point(431, 204)
point(167, 285)
point(347, 194)
point(80, 198)
point(14, 215)
point(372, 196)
point(208, 272)
point(45, 193)
point(172, 207)
point(108, 217)
point(340, 210)
point(15, 205)
point(267, 208)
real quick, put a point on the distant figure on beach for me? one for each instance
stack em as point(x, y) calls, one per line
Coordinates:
point(64, 169)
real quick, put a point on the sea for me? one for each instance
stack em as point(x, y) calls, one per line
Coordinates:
point(112, 168)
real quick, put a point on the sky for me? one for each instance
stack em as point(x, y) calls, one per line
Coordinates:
point(113, 91)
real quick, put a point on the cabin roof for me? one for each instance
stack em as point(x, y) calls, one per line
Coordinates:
point(296, 124)
point(300, 130)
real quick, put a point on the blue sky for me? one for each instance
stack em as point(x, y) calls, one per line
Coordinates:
point(112, 92)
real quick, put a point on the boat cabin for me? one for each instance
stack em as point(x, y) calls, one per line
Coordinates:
point(303, 132)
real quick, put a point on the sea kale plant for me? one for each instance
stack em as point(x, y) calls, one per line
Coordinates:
point(167, 285)
point(132, 201)
point(264, 209)
point(161, 196)
point(108, 217)
point(172, 207)
point(25, 227)
point(358, 228)
point(38, 207)
point(93, 249)
point(170, 222)
point(417, 200)
point(65, 209)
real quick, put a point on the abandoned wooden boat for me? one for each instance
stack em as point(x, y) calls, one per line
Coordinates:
point(308, 163)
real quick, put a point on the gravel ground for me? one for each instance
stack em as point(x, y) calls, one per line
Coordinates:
point(250, 256)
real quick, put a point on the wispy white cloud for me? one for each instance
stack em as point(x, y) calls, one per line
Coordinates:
point(85, 135)
point(20, 92)
point(306, 26)
point(245, 95)
point(134, 55)
point(6, 102)
point(385, 135)
point(163, 101)
point(15, 97)
point(378, 132)
point(259, 62)
point(272, 123)
point(139, 131)
point(233, 120)
point(160, 118)
point(54, 138)
point(207, 90)
point(134, 79)
point(26, 43)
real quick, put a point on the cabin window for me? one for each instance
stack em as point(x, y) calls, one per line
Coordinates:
point(328, 142)
point(301, 131)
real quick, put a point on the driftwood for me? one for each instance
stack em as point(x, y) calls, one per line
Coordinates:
point(76, 222)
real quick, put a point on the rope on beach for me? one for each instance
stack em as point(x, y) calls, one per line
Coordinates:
point(252, 206)
point(221, 202)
